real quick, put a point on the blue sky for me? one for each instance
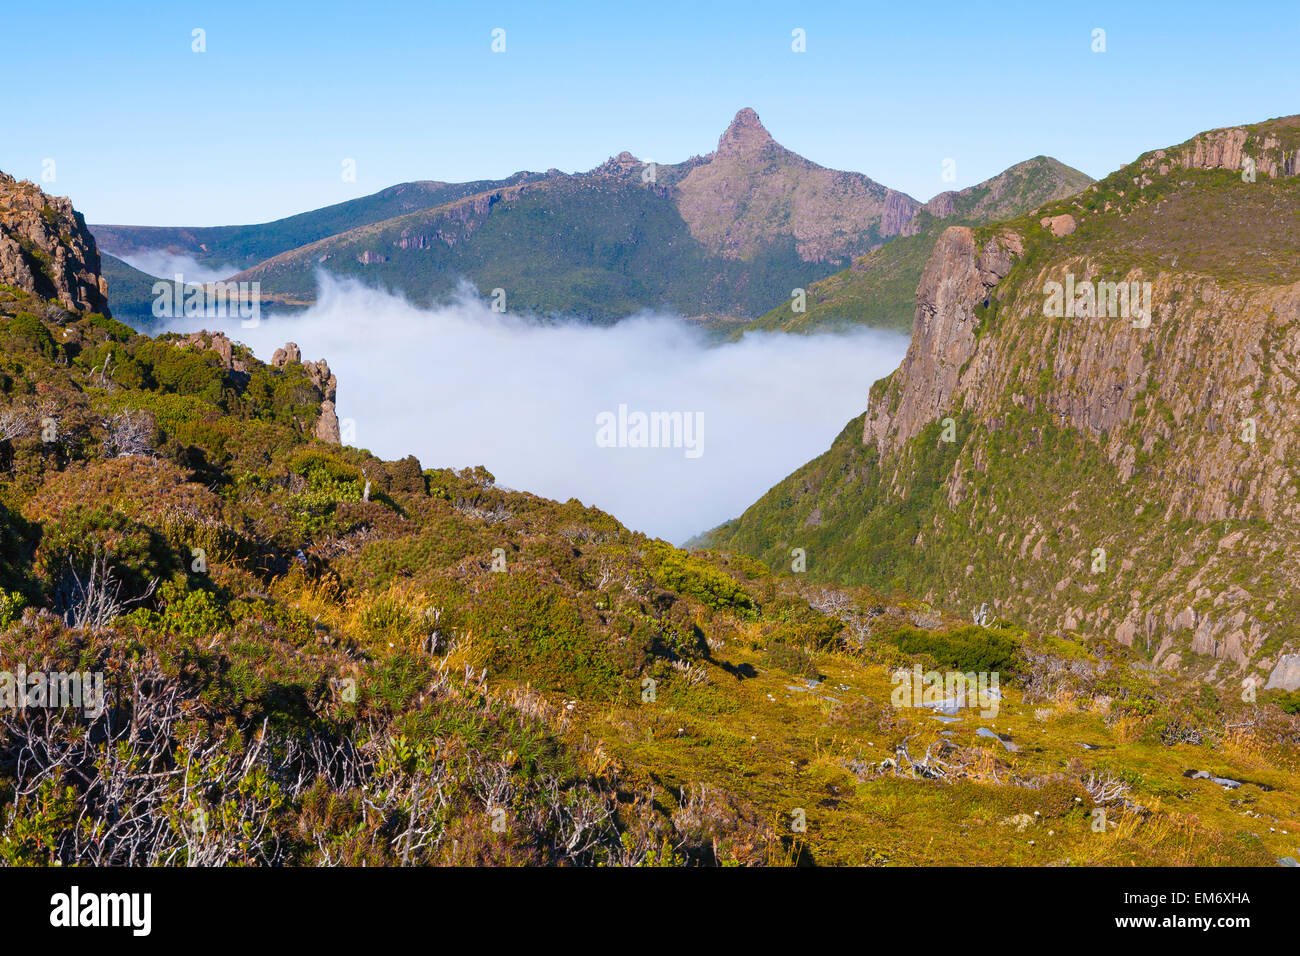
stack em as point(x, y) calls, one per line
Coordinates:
point(143, 130)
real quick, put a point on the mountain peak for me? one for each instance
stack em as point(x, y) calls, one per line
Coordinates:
point(745, 134)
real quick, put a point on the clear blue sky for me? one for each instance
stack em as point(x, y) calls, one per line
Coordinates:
point(143, 130)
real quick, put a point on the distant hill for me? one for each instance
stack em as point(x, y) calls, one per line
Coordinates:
point(244, 246)
point(721, 236)
point(130, 291)
point(879, 289)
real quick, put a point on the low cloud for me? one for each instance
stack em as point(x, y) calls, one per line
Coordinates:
point(462, 385)
point(165, 265)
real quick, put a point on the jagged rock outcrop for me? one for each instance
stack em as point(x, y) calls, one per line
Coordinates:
point(327, 424)
point(220, 343)
point(290, 353)
point(46, 249)
point(622, 165)
point(322, 378)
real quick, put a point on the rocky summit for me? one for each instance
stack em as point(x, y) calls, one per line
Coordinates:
point(46, 249)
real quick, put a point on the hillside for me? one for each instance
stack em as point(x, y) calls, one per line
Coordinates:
point(312, 656)
point(244, 246)
point(1104, 473)
point(879, 289)
point(130, 291)
point(718, 236)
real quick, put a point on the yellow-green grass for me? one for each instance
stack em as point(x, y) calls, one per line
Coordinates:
point(783, 750)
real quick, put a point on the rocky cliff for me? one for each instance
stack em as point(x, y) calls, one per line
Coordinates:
point(46, 249)
point(47, 253)
point(1092, 428)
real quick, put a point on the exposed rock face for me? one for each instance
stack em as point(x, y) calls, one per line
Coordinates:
point(746, 134)
point(957, 278)
point(1268, 146)
point(327, 426)
point(1180, 423)
point(46, 249)
point(322, 378)
point(943, 205)
point(290, 353)
point(1286, 675)
point(217, 342)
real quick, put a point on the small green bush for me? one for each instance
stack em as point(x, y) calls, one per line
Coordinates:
point(27, 329)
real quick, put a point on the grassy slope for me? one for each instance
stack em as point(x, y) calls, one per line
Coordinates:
point(524, 689)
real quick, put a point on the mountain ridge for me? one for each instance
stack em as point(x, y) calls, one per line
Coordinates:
point(877, 289)
point(738, 225)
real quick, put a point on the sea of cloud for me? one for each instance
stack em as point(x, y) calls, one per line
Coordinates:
point(462, 385)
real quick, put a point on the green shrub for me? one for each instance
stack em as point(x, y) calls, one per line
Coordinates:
point(967, 649)
point(117, 331)
point(1289, 702)
point(679, 571)
point(27, 329)
point(195, 616)
point(11, 606)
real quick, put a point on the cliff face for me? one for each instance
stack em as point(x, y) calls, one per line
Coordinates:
point(1189, 417)
point(957, 279)
point(46, 249)
point(1119, 466)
